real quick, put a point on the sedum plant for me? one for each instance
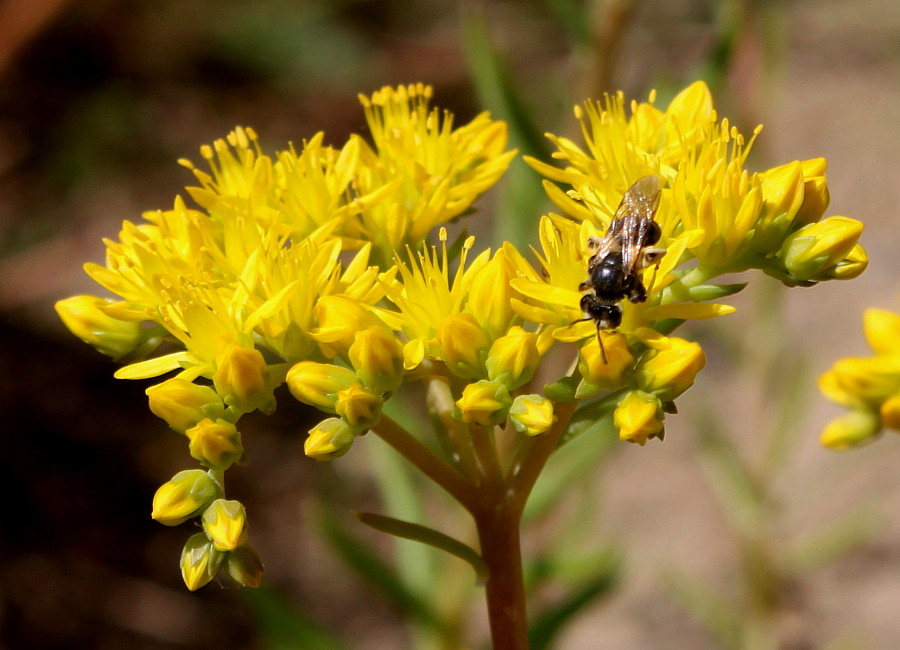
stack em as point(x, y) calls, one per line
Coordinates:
point(327, 274)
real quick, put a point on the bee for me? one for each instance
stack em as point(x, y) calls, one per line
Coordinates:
point(620, 255)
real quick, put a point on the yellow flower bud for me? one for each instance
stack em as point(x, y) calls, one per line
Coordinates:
point(639, 417)
point(182, 404)
point(890, 412)
point(484, 403)
point(856, 381)
point(816, 196)
point(377, 357)
point(329, 439)
point(244, 566)
point(183, 497)
point(490, 293)
point(464, 344)
point(339, 321)
point(215, 443)
point(672, 369)
point(513, 358)
point(531, 414)
point(318, 384)
point(816, 248)
point(200, 561)
point(848, 268)
point(242, 379)
point(598, 374)
point(359, 406)
point(783, 194)
point(882, 328)
point(225, 523)
point(85, 318)
point(850, 430)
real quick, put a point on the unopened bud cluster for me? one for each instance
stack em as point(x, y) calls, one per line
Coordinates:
point(868, 386)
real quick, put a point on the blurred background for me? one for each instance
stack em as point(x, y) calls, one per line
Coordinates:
point(99, 98)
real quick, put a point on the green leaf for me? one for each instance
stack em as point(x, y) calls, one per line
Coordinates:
point(429, 536)
point(284, 627)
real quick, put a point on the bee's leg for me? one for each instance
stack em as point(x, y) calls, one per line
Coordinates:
point(593, 244)
point(638, 293)
point(584, 286)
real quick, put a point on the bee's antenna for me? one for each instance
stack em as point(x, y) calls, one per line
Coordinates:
point(602, 349)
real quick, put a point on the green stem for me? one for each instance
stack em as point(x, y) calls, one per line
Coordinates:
point(428, 463)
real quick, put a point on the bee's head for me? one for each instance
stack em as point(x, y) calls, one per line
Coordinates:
point(606, 316)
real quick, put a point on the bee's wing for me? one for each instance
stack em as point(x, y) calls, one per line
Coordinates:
point(634, 218)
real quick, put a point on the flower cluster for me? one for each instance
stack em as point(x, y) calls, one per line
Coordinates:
point(256, 288)
point(868, 386)
point(312, 268)
point(715, 218)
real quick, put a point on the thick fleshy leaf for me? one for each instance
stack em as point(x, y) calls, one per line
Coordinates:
point(429, 536)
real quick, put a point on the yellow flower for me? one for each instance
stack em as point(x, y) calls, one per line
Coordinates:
point(484, 403)
point(377, 357)
point(490, 294)
point(200, 561)
point(433, 171)
point(671, 368)
point(215, 443)
point(185, 496)
point(183, 404)
point(426, 296)
point(531, 414)
point(816, 248)
point(329, 439)
point(225, 523)
point(464, 344)
point(850, 430)
point(318, 384)
point(295, 192)
point(554, 299)
point(639, 417)
point(621, 147)
point(87, 319)
point(869, 386)
point(513, 358)
point(358, 406)
point(599, 374)
point(242, 379)
point(339, 319)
